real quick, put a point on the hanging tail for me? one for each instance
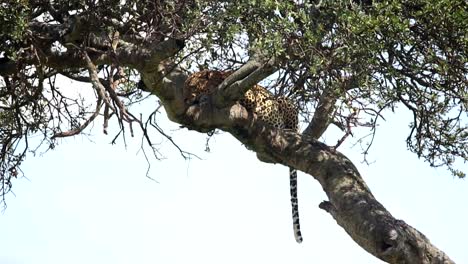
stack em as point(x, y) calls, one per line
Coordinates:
point(295, 208)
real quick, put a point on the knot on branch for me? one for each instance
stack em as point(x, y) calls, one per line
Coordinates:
point(328, 207)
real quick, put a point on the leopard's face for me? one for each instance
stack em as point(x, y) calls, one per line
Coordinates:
point(277, 112)
point(201, 84)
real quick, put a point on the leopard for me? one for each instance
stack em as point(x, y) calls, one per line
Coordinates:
point(276, 112)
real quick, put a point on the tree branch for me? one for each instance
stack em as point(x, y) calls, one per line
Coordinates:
point(236, 84)
point(323, 115)
point(102, 48)
point(350, 203)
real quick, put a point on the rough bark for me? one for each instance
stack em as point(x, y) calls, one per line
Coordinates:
point(351, 203)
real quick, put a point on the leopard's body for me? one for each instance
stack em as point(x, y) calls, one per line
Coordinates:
point(277, 112)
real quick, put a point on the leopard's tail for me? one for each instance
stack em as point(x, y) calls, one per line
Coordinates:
point(295, 208)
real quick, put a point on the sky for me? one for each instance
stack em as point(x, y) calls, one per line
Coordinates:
point(90, 202)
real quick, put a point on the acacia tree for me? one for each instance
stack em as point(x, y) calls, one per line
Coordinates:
point(342, 63)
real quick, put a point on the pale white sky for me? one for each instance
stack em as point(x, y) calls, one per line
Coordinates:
point(90, 202)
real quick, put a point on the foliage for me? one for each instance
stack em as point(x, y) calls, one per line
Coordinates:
point(372, 57)
point(14, 21)
point(364, 56)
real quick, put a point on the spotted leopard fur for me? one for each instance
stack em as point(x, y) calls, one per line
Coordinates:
point(277, 112)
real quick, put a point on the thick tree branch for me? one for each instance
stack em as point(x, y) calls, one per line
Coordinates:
point(323, 115)
point(350, 203)
point(236, 84)
point(100, 45)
